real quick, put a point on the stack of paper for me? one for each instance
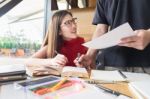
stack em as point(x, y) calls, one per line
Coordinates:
point(11, 73)
point(111, 38)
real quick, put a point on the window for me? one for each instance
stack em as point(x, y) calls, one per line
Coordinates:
point(22, 28)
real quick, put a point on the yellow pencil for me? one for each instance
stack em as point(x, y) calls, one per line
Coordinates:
point(58, 85)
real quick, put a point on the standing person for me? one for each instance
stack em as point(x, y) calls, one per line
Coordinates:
point(62, 44)
point(132, 52)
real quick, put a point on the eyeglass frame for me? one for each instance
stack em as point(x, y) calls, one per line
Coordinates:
point(69, 23)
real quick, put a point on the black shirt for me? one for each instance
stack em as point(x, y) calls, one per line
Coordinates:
point(115, 13)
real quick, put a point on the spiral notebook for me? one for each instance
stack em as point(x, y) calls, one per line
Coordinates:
point(141, 88)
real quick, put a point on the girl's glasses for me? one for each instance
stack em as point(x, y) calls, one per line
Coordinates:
point(69, 23)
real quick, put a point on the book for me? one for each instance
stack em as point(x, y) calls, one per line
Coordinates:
point(15, 69)
point(9, 79)
point(102, 75)
point(58, 71)
point(11, 73)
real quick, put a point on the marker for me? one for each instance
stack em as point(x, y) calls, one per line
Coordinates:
point(78, 56)
point(56, 52)
point(121, 73)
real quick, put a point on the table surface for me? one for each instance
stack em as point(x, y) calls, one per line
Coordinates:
point(6, 91)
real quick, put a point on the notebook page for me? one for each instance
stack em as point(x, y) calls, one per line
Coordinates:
point(106, 75)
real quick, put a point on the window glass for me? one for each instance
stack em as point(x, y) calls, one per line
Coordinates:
point(21, 29)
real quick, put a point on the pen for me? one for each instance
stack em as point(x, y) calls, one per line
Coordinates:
point(111, 91)
point(108, 90)
point(56, 52)
point(121, 73)
point(78, 56)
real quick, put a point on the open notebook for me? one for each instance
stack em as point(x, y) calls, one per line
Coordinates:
point(74, 72)
point(101, 75)
point(57, 70)
point(141, 89)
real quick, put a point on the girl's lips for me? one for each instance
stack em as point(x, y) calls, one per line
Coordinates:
point(74, 32)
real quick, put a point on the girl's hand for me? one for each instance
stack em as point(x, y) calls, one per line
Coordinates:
point(59, 60)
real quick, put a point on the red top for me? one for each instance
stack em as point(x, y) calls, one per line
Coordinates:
point(71, 48)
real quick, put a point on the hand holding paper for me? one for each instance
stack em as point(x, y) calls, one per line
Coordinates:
point(111, 38)
point(138, 41)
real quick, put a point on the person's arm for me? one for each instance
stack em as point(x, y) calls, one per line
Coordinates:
point(89, 59)
point(40, 59)
point(100, 30)
point(42, 53)
point(139, 41)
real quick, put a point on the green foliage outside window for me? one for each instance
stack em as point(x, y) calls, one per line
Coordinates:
point(18, 42)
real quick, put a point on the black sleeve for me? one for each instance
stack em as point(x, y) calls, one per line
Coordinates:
point(99, 17)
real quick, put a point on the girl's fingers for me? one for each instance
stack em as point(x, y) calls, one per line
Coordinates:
point(62, 58)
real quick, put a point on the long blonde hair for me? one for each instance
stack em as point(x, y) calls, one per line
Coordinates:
point(52, 38)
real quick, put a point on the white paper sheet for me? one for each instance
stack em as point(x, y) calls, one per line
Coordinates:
point(74, 69)
point(111, 38)
point(131, 77)
point(142, 87)
point(103, 75)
